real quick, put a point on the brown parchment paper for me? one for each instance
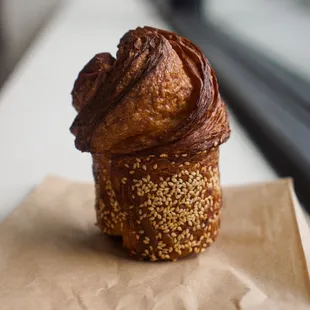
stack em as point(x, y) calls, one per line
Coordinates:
point(53, 257)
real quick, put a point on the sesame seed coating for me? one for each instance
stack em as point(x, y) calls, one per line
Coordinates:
point(165, 214)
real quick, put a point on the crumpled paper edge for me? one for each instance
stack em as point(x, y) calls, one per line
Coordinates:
point(302, 226)
point(253, 296)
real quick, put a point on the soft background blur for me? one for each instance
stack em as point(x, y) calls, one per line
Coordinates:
point(20, 23)
point(279, 28)
point(260, 50)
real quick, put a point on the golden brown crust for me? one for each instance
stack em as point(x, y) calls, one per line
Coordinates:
point(153, 120)
point(160, 92)
point(90, 79)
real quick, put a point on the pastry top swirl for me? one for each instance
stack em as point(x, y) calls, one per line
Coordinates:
point(159, 94)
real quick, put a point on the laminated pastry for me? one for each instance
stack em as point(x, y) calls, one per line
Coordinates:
point(153, 120)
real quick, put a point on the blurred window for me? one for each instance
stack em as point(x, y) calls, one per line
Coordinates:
point(280, 29)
